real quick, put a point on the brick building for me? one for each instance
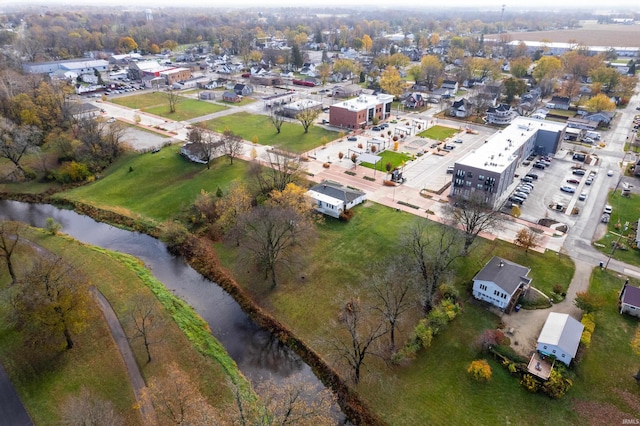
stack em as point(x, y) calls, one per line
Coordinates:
point(361, 111)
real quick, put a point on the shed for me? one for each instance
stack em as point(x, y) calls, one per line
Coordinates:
point(560, 337)
point(630, 300)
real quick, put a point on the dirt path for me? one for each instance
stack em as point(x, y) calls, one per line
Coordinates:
point(527, 324)
point(137, 382)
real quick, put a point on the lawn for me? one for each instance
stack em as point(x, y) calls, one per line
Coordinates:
point(143, 100)
point(186, 109)
point(438, 133)
point(625, 209)
point(397, 159)
point(291, 138)
point(156, 186)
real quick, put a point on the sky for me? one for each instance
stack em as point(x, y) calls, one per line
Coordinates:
point(369, 4)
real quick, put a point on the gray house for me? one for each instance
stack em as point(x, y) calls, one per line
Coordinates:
point(560, 337)
point(332, 198)
point(630, 300)
point(501, 282)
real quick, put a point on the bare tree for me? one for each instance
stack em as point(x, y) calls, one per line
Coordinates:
point(433, 249)
point(146, 323)
point(173, 98)
point(277, 118)
point(273, 236)
point(101, 142)
point(394, 287)
point(87, 409)
point(9, 238)
point(16, 141)
point(51, 300)
point(527, 239)
point(232, 145)
point(281, 169)
point(307, 116)
point(474, 215)
point(363, 333)
point(209, 147)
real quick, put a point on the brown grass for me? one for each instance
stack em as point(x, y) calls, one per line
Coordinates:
point(590, 34)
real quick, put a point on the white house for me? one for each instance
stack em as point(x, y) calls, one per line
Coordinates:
point(500, 283)
point(630, 300)
point(560, 337)
point(331, 198)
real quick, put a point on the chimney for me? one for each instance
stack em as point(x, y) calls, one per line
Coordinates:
point(501, 264)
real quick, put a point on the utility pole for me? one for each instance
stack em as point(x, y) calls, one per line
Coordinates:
point(615, 246)
point(501, 17)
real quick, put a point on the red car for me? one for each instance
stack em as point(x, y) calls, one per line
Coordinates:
point(573, 181)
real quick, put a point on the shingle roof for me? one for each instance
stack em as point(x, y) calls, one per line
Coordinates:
point(338, 191)
point(507, 275)
point(631, 295)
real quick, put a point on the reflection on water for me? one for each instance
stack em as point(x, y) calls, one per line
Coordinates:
point(256, 351)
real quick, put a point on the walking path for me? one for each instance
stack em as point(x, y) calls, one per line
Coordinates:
point(12, 411)
point(137, 382)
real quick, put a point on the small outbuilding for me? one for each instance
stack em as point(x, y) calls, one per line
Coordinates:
point(560, 337)
point(630, 300)
point(229, 96)
point(332, 198)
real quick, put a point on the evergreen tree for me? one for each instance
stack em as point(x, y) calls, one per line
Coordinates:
point(296, 56)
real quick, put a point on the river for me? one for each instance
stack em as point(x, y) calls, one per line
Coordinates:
point(258, 354)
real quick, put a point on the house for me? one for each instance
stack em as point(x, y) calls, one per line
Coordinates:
point(560, 337)
point(243, 89)
point(452, 85)
point(198, 151)
point(602, 117)
point(414, 101)
point(461, 108)
point(502, 114)
point(229, 96)
point(560, 102)
point(346, 91)
point(207, 95)
point(629, 300)
point(84, 110)
point(581, 123)
point(332, 198)
point(501, 282)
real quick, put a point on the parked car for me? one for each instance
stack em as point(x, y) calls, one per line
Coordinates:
point(532, 176)
point(449, 147)
point(516, 200)
point(579, 172)
point(458, 140)
point(608, 209)
point(526, 179)
point(434, 145)
point(376, 128)
point(111, 120)
point(589, 181)
point(573, 181)
point(605, 218)
point(450, 169)
point(610, 173)
point(384, 125)
point(352, 138)
point(539, 166)
point(569, 189)
point(582, 196)
point(520, 194)
point(523, 189)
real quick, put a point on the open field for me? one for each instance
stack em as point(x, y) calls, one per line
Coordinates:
point(158, 104)
point(291, 137)
point(395, 158)
point(590, 34)
point(438, 133)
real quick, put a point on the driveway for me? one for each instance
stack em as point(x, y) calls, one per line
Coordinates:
point(12, 411)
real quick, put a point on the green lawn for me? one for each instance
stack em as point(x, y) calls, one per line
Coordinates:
point(185, 109)
point(291, 138)
point(159, 186)
point(625, 209)
point(563, 113)
point(438, 133)
point(143, 100)
point(397, 159)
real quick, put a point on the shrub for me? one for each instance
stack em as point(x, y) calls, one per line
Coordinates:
point(72, 171)
point(558, 289)
point(346, 215)
point(588, 320)
point(530, 383)
point(51, 226)
point(557, 385)
point(490, 338)
point(585, 339)
point(480, 370)
point(447, 291)
point(438, 319)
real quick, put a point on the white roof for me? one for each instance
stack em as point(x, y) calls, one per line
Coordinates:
point(364, 102)
point(563, 331)
point(325, 198)
point(503, 147)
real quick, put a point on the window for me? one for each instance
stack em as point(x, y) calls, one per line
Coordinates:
point(545, 346)
point(479, 186)
point(563, 355)
point(554, 351)
point(468, 183)
point(480, 177)
point(469, 174)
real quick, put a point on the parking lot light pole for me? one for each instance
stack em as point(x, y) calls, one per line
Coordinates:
point(615, 246)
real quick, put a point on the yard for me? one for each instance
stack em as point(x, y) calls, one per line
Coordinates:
point(259, 127)
point(625, 209)
point(396, 159)
point(438, 133)
point(158, 104)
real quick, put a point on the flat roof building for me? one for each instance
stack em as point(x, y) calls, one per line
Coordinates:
point(358, 112)
point(490, 169)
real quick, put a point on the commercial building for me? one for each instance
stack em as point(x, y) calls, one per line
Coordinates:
point(490, 169)
point(358, 112)
point(77, 66)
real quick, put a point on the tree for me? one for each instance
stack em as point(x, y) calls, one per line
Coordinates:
point(485, 68)
point(547, 67)
point(177, 399)
point(276, 116)
point(600, 102)
point(607, 77)
point(589, 302)
point(391, 82)
point(363, 331)
point(307, 116)
point(16, 141)
point(324, 72)
point(230, 207)
point(51, 302)
point(100, 142)
point(282, 168)
point(232, 145)
point(480, 370)
point(431, 69)
point(366, 43)
point(393, 286)
point(474, 215)
point(273, 236)
point(415, 72)
point(88, 409)
point(514, 87)
point(433, 250)
point(520, 66)
point(127, 44)
point(146, 323)
point(173, 98)
point(296, 56)
point(526, 239)
point(9, 239)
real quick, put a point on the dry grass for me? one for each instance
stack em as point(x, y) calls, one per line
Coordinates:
point(590, 34)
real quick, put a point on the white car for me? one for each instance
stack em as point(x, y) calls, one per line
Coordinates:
point(111, 120)
point(582, 196)
point(568, 189)
point(608, 209)
point(610, 173)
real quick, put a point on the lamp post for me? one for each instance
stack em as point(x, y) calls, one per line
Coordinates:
point(615, 246)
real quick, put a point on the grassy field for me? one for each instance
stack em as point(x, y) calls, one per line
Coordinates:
point(438, 133)
point(95, 361)
point(156, 186)
point(625, 209)
point(158, 104)
point(143, 100)
point(291, 138)
point(397, 159)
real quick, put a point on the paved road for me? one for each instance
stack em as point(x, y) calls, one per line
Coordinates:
point(137, 382)
point(12, 411)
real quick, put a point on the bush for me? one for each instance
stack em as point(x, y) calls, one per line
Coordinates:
point(480, 370)
point(447, 291)
point(346, 215)
point(438, 319)
point(72, 172)
point(424, 333)
point(588, 320)
point(585, 339)
point(490, 338)
point(530, 383)
point(51, 226)
point(557, 385)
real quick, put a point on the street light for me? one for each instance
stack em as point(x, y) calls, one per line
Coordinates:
point(626, 227)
